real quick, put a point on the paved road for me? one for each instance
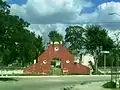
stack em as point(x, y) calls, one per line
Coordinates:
point(48, 83)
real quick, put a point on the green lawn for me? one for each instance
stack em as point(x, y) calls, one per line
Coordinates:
point(39, 84)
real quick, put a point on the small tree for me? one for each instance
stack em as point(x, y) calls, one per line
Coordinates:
point(97, 37)
point(55, 36)
point(75, 38)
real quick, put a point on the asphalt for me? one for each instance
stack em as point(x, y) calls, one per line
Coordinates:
point(48, 82)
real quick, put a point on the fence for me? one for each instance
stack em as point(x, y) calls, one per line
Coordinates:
point(11, 70)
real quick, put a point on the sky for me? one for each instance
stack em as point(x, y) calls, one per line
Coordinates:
point(48, 15)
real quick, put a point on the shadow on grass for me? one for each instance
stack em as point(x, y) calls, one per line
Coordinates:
point(109, 85)
point(8, 79)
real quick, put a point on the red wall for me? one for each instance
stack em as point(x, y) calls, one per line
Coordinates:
point(63, 54)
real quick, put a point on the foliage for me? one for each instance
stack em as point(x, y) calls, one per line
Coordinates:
point(55, 36)
point(92, 38)
point(17, 44)
point(109, 85)
point(8, 79)
point(75, 37)
point(97, 37)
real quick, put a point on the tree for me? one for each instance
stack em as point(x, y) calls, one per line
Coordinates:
point(75, 38)
point(55, 36)
point(97, 39)
point(17, 43)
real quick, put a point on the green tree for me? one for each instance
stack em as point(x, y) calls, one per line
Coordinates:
point(17, 43)
point(75, 38)
point(97, 39)
point(55, 36)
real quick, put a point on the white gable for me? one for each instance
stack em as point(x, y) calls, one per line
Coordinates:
point(86, 58)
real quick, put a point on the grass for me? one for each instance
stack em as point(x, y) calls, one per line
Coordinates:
point(8, 79)
point(110, 85)
point(43, 83)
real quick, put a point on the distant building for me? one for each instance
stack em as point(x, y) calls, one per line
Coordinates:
point(86, 58)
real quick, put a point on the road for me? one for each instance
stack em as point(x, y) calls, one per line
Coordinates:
point(49, 82)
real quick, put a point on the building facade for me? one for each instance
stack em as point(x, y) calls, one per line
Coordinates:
point(57, 50)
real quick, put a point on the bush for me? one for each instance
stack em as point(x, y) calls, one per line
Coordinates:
point(68, 88)
point(8, 79)
point(110, 85)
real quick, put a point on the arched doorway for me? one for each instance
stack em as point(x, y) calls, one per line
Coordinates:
point(56, 66)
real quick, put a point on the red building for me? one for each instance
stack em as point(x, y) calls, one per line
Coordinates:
point(56, 50)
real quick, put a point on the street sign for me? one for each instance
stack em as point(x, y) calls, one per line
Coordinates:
point(104, 51)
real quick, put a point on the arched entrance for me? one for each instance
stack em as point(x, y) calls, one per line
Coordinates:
point(63, 63)
point(56, 66)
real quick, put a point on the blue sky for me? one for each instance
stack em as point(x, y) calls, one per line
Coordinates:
point(86, 9)
point(17, 1)
point(96, 3)
point(47, 15)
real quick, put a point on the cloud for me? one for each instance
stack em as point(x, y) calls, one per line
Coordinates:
point(101, 15)
point(67, 12)
point(50, 11)
point(44, 29)
point(48, 15)
point(4, 0)
point(110, 21)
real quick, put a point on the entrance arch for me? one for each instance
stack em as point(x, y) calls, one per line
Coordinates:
point(67, 61)
point(56, 62)
point(56, 66)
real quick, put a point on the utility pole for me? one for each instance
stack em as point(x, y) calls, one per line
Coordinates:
point(96, 61)
point(104, 64)
point(117, 59)
point(112, 70)
point(105, 52)
point(96, 57)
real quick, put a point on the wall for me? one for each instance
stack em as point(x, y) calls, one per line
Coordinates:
point(56, 50)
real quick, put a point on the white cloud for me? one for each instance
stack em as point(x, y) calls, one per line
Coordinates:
point(47, 15)
point(65, 11)
point(114, 20)
point(50, 11)
point(101, 15)
point(112, 34)
point(5, 0)
point(105, 8)
point(44, 29)
point(18, 10)
point(44, 14)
